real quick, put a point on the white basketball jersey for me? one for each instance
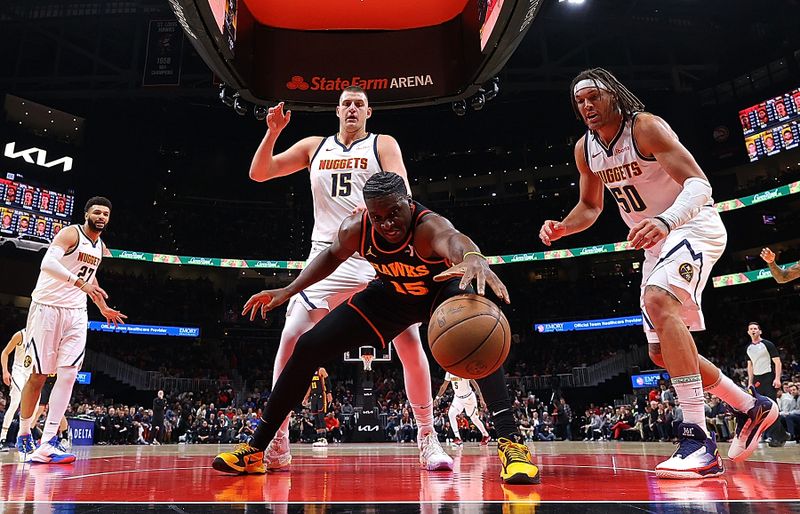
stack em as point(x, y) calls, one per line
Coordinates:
point(83, 261)
point(19, 352)
point(641, 187)
point(461, 387)
point(338, 175)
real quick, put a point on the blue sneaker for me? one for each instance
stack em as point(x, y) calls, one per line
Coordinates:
point(696, 457)
point(750, 426)
point(52, 452)
point(25, 447)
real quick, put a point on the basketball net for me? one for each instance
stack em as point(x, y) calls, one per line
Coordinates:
point(367, 359)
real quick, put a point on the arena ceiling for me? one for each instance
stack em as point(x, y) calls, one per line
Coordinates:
point(94, 49)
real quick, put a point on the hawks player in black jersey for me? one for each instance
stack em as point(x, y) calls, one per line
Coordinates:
point(318, 397)
point(413, 251)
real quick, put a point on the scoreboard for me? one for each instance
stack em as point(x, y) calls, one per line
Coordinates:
point(27, 209)
point(772, 126)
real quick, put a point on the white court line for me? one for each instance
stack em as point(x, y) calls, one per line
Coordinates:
point(407, 502)
point(310, 464)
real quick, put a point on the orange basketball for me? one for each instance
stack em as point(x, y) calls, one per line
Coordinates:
point(469, 336)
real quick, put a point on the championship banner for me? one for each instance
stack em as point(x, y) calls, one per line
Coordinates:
point(162, 65)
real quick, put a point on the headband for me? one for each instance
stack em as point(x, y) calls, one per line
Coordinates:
point(586, 83)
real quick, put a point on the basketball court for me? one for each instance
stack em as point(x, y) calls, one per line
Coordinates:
point(385, 477)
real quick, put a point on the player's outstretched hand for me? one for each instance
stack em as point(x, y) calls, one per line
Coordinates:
point(265, 301)
point(551, 231)
point(647, 233)
point(768, 255)
point(277, 119)
point(113, 316)
point(475, 267)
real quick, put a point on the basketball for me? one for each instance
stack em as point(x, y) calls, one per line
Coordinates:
point(469, 336)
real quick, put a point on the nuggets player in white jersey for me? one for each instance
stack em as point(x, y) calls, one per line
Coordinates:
point(339, 165)
point(55, 335)
point(15, 379)
point(665, 198)
point(464, 400)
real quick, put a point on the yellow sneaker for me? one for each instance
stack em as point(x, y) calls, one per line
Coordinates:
point(518, 466)
point(243, 459)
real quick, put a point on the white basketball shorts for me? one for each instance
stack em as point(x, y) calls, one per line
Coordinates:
point(468, 404)
point(56, 337)
point(351, 276)
point(682, 265)
point(20, 375)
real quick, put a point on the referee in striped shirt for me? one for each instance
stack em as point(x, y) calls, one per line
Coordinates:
point(764, 373)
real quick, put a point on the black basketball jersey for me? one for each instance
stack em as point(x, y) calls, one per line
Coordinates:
point(319, 387)
point(397, 264)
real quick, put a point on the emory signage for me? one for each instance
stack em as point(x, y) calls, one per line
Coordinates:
point(41, 157)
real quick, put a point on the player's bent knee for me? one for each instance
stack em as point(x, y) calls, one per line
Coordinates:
point(657, 358)
point(660, 304)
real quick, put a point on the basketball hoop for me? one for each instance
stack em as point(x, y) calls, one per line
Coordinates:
point(367, 360)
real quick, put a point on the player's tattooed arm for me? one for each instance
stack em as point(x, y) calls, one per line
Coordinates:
point(780, 275)
point(784, 275)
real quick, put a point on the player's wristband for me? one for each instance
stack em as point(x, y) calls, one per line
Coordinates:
point(662, 220)
point(479, 254)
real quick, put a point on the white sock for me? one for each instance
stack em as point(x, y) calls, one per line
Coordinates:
point(25, 425)
point(689, 389)
point(424, 416)
point(298, 322)
point(732, 394)
point(59, 399)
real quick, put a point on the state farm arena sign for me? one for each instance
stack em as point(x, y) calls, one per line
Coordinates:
point(299, 83)
point(387, 67)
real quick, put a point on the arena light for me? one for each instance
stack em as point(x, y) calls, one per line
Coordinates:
point(260, 112)
point(460, 107)
point(492, 89)
point(226, 95)
point(240, 106)
point(478, 101)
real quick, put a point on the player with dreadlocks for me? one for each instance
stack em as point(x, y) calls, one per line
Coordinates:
point(395, 234)
point(665, 199)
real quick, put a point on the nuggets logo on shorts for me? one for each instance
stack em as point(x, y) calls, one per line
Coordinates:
point(28, 361)
point(686, 271)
